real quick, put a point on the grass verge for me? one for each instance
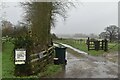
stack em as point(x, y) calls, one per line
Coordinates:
point(0, 65)
point(76, 54)
point(8, 60)
point(50, 70)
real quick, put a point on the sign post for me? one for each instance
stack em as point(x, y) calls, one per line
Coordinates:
point(20, 56)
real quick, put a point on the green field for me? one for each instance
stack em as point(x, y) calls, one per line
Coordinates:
point(83, 47)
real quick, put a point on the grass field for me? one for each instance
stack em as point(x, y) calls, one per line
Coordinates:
point(83, 47)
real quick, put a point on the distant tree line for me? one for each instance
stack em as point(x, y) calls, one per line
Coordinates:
point(21, 29)
point(80, 35)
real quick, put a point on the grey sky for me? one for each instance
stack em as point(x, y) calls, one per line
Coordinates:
point(88, 17)
point(12, 12)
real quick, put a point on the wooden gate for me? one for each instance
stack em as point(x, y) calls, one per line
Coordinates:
point(97, 45)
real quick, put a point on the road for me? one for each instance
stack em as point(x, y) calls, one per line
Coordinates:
point(88, 67)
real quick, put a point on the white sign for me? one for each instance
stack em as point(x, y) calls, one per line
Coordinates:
point(40, 55)
point(20, 56)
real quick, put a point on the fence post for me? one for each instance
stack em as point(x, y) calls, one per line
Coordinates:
point(98, 44)
point(88, 43)
point(106, 45)
point(102, 44)
point(95, 45)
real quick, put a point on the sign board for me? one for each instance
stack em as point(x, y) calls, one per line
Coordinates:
point(20, 56)
point(41, 55)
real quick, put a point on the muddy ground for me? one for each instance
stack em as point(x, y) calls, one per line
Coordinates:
point(86, 66)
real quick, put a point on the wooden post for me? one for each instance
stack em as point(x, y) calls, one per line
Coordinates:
point(97, 45)
point(106, 45)
point(102, 44)
point(51, 42)
point(88, 43)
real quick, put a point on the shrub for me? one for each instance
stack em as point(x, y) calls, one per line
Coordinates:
point(23, 42)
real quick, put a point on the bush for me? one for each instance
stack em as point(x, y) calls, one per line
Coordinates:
point(23, 42)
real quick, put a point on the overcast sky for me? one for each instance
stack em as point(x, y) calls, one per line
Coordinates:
point(88, 17)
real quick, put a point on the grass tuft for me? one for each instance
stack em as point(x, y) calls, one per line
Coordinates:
point(51, 70)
